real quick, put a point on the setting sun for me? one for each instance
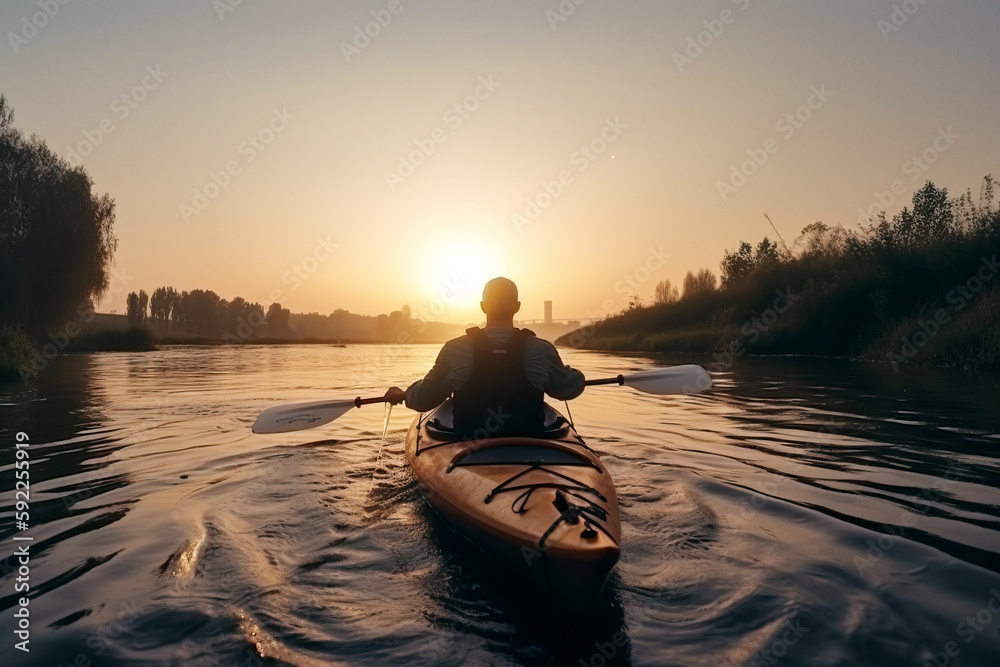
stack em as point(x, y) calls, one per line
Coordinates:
point(456, 274)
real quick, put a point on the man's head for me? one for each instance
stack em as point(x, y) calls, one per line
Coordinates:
point(500, 299)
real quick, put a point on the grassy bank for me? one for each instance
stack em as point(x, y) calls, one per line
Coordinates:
point(923, 287)
point(16, 351)
point(23, 356)
point(209, 340)
point(128, 340)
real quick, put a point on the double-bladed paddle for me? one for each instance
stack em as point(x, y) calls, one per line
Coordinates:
point(300, 416)
point(687, 379)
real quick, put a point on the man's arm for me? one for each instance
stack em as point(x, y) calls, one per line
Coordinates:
point(545, 370)
point(429, 392)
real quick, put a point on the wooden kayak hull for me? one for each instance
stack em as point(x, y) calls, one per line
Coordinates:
point(544, 506)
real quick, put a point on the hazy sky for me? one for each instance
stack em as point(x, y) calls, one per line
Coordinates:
point(364, 172)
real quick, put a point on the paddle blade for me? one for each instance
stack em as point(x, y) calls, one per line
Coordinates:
point(687, 379)
point(300, 416)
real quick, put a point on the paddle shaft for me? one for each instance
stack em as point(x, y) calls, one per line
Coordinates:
point(618, 379)
point(615, 380)
point(368, 401)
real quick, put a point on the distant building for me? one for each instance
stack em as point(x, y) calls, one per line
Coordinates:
point(548, 312)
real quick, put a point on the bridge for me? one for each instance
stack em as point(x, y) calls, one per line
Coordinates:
point(568, 320)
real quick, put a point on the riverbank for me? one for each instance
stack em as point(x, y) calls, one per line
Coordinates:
point(923, 288)
point(209, 340)
point(924, 310)
point(803, 319)
point(23, 356)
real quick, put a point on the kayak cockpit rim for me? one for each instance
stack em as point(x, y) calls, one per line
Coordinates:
point(438, 423)
point(519, 451)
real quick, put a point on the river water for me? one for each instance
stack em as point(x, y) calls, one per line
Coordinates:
point(803, 512)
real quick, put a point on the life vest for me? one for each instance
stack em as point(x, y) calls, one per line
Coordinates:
point(497, 399)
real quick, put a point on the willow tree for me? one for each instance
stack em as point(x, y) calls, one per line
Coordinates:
point(56, 237)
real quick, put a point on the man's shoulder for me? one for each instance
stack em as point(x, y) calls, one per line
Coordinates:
point(539, 345)
point(459, 342)
point(467, 337)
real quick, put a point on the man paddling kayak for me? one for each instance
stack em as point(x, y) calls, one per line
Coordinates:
point(498, 374)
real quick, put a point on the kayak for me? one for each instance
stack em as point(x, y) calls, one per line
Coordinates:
point(545, 506)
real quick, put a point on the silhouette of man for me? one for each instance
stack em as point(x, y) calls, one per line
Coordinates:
point(498, 375)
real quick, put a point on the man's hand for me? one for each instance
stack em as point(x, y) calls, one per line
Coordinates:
point(395, 395)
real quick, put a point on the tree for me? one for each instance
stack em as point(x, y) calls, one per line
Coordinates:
point(143, 303)
point(277, 321)
point(241, 316)
point(665, 293)
point(170, 303)
point(737, 265)
point(132, 312)
point(180, 314)
point(767, 254)
point(200, 310)
point(696, 283)
point(6, 113)
point(982, 218)
point(931, 220)
point(821, 240)
point(57, 235)
point(634, 303)
point(933, 217)
point(162, 303)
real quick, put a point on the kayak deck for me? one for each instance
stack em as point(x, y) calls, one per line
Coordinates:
point(544, 505)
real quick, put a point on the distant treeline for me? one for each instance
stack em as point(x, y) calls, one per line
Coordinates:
point(204, 313)
point(922, 286)
point(172, 316)
point(399, 326)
